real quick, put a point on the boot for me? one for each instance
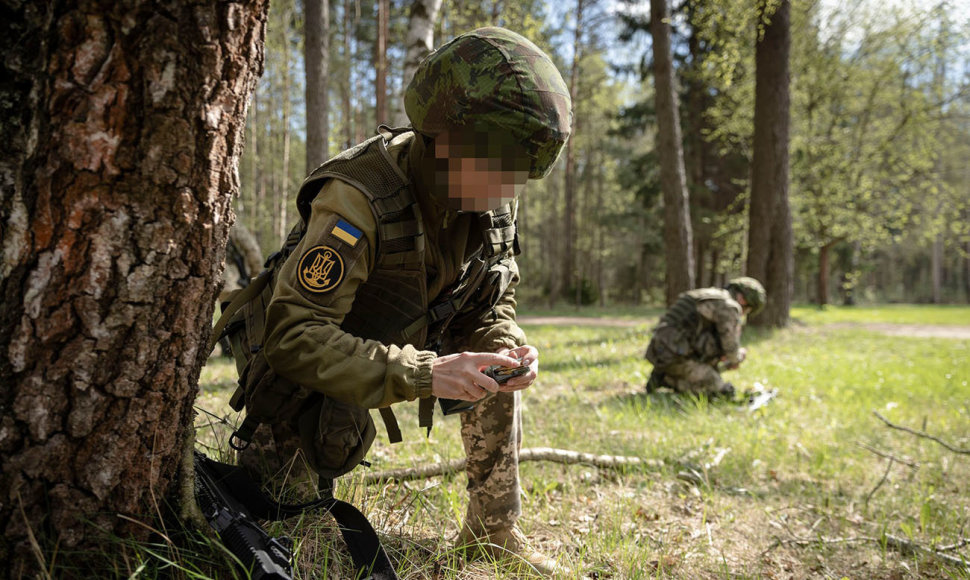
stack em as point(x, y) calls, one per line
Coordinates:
point(510, 545)
point(725, 392)
point(656, 381)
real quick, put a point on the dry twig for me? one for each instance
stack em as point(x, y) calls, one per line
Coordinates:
point(910, 464)
point(564, 456)
point(921, 434)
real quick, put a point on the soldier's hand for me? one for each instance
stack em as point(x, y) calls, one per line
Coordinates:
point(459, 376)
point(529, 356)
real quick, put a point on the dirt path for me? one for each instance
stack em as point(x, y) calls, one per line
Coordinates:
point(915, 330)
point(578, 321)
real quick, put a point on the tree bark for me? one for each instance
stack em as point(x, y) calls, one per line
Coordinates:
point(119, 150)
point(419, 43)
point(678, 240)
point(317, 55)
point(770, 257)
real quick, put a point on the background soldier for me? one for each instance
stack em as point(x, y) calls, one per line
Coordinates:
point(400, 279)
point(699, 333)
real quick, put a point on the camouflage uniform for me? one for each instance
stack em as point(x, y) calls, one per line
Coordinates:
point(305, 338)
point(701, 329)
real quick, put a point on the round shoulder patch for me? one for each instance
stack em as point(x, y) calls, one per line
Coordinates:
point(320, 270)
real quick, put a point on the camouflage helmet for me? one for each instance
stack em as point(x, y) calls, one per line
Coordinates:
point(495, 80)
point(752, 290)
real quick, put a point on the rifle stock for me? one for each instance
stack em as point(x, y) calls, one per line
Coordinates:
point(264, 557)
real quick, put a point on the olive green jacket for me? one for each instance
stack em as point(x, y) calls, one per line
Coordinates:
point(303, 341)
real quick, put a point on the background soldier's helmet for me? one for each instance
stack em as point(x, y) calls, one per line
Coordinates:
point(752, 290)
point(493, 80)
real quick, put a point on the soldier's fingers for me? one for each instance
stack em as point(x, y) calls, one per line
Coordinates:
point(520, 382)
point(486, 383)
point(493, 358)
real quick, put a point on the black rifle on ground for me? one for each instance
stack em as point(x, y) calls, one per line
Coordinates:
point(232, 502)
point(263, 557)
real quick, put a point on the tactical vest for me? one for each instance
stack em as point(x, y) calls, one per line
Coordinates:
point(684, 333)
point(391, 306)
point(683, 314)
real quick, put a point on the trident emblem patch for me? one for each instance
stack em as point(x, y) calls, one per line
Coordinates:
point(320, 270)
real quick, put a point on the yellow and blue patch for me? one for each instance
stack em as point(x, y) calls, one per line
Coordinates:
point(346, 233)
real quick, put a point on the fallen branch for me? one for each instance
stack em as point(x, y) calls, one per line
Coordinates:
point(907, 547)
point(921, 434)
point(564, 456)
point(956, 546)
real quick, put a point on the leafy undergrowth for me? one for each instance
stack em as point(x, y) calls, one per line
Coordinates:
point(812, 485)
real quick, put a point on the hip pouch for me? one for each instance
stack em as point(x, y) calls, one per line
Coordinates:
point(334, 435)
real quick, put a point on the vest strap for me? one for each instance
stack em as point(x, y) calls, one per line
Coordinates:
point(238, 301)
point(390, 423)
point(426, 413)
point(242, 436)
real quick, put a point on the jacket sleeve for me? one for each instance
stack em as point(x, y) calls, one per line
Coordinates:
point(303, 341)
point(726, 316)
point(487, 324)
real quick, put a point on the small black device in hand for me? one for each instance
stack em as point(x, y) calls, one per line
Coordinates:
point(497, 372)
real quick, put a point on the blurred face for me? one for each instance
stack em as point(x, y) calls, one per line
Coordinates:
point(479, 171)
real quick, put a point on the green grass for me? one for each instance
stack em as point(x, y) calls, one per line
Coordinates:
point(729, 493)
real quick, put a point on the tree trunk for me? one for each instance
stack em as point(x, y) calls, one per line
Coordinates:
point(770, 258)
point(348, 87)
point(317, 54)
point(282, 188)
point(824, 267)
point(119, 145)
point(677, 229)
point(420, 41)
point(966, 269)
point(380, 61)
point(569, 175)
point(936, 265)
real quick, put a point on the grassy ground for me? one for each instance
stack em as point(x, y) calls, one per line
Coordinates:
point(809, 486)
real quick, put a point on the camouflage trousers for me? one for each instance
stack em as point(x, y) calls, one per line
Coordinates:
point(691, 376)
point(491, 434)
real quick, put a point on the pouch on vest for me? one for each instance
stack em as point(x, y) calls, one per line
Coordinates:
point(708, 347)
point(667, 346)
point(335, 435)
point(497, 281)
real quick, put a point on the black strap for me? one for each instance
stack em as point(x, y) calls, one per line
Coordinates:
point(365, 547)
point(390, 423)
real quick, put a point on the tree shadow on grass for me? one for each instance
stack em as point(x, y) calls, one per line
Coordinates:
point(583, 364)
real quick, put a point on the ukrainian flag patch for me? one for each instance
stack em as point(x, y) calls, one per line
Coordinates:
point(346, 233)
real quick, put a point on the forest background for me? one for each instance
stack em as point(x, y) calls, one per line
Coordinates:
point(879, 140)
point(125, 135)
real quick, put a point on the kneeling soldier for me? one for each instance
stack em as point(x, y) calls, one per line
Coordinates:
point(700, 333)
point(399, 282)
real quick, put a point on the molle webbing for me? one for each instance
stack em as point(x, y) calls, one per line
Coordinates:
point(683, 313)
point(498, 231)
